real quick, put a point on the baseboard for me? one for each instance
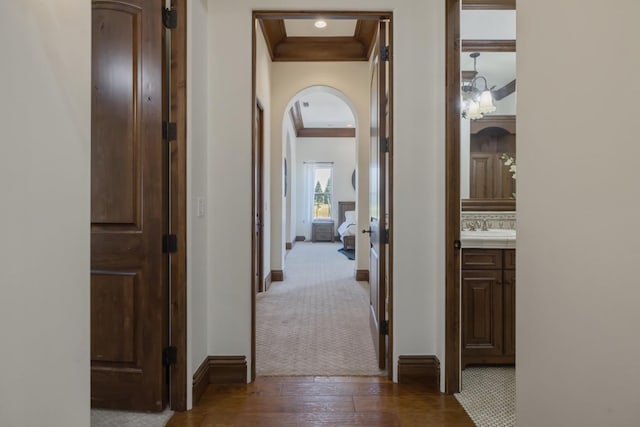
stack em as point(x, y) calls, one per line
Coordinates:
point(362, 275)
point(300, 239)
point(277, 275)
point(419, 369)
point(219, 370)
point(200, 380)
point(267, 282)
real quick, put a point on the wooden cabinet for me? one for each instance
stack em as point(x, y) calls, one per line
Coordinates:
point(488, 306)
point(490, 178)
point(322, 231)
point(491, 137)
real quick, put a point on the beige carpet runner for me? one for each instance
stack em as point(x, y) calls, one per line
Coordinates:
point(315, 322)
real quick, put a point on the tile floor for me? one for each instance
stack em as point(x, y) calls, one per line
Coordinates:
point(488, 395)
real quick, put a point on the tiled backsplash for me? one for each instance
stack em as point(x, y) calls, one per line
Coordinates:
point(495, 220)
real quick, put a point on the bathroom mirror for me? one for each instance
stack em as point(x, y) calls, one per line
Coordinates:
point(488, 111)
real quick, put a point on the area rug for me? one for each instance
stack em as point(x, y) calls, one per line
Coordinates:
point(349, 253)
point(109, 418)
point(315, 322)
point(488, 395)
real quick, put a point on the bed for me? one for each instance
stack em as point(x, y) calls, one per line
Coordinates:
point(347, 228)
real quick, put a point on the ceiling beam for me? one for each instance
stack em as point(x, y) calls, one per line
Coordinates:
point(274, 33)
point(365, 33)
point(327, 133)
point(489, 4)
point(296, 117)
point(488, 46)
point(303, 14)
point(320, 49)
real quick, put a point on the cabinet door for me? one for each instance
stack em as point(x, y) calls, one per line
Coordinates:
point(482, 315)
point(482, 176)
point(509, 290)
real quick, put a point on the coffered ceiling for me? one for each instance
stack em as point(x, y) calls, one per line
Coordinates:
point(342, 39)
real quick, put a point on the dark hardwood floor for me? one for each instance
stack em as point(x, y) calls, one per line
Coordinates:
point(322, 401)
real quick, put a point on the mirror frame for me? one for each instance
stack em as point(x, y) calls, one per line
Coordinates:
point(488, 46)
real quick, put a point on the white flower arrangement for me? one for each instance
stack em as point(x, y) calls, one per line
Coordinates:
point(511, 162)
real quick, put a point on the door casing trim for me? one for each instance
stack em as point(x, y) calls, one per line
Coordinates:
point(382, 15)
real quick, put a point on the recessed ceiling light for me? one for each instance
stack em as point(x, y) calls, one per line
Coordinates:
point(349, 125)
point(320, 23)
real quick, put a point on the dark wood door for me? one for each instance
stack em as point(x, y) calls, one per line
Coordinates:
point(128, 207)
point(258, 239)
point(482, 316)
point(378, 191)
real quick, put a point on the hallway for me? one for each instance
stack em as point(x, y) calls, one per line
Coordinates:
point(315, 322)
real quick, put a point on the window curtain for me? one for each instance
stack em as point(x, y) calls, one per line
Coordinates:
point(307, 213)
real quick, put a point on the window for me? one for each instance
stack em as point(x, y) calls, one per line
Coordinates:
point(322, 191)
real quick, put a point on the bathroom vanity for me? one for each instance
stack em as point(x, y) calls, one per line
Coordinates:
point(488, 289)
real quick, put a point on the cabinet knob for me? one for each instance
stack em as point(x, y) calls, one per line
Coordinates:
point(367, 231)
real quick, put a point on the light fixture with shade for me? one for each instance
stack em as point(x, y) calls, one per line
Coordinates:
point(476, 102)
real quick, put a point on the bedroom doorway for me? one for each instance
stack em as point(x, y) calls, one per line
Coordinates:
point(320, 205)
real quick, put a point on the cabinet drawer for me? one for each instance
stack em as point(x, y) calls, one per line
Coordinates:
point(510, 259)
point(482, 259)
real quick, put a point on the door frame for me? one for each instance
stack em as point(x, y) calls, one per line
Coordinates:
point(453, 43)
point(327, 14)
point(178, 223)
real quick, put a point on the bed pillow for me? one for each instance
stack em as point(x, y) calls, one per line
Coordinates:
point(350, 217)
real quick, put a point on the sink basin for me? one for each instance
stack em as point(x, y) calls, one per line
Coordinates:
point(488, 239)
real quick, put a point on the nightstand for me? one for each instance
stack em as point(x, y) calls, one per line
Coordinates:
point(322, 230)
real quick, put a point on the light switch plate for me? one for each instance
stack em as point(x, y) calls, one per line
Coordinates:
point(201, 209)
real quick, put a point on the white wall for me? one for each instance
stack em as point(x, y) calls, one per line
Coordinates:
point(291, 198)
point(45, 82)
point(419, 168)
point(197, 227)
point(340, 151)
point(578, 209)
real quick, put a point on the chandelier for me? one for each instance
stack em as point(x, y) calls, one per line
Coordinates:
point(476, 102)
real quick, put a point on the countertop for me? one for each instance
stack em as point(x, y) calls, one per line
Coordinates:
point(491, 239)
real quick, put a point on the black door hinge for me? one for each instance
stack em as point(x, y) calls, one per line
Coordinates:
point(169, 244)
point(384, 327)
point(169, 356)
point(385, 145)
point(385, 237)
point(385, 53)
point(457, 244)
point(169, 131)
point(170, 18)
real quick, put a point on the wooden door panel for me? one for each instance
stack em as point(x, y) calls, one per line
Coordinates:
point(128, 207)
point(113, 324)
point(481, 176)
point(115, 176)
